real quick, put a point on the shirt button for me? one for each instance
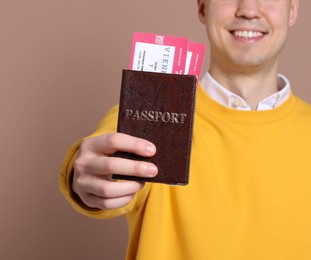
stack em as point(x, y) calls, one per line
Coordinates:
point(236, 103)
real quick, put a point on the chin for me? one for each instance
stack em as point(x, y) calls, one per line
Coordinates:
point(249, 62)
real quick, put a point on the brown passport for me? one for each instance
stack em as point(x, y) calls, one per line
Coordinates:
point(159, 108)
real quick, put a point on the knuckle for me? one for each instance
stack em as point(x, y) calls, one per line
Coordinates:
point(84, 145)
point(107, 190)
point(139, 168)
point(80, 165)
point(110, 204)
point(88, 200)
point(78, 181)
point(78, 185)
point(106, 204)
point(112, 139)
point(109, 165)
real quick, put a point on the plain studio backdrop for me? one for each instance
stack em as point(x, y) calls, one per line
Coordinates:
point(60, 69)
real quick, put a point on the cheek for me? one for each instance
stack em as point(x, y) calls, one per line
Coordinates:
point(212, 31)
point(219, 15)
point(278, 22)
point(215, 21)
point(279, 26)
point(278, 17)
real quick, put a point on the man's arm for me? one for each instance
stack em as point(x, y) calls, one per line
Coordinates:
point(77, 173)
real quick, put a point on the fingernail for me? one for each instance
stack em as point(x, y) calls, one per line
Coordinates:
point(151, 170)
point(150, 149)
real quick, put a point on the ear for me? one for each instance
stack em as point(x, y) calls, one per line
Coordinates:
point(201, 10)
point(293, 13)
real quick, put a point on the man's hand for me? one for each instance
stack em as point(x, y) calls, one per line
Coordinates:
point(94, 167)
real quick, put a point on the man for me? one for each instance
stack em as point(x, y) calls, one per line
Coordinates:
point(249, 195)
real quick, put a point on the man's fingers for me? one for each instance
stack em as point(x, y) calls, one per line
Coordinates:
point(104, 194)
point(103, 165)
point(111, 189)
point(107, 204)
point(94, 167)
point(111, 143)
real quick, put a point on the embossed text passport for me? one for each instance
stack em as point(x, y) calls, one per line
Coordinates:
point(159, 107)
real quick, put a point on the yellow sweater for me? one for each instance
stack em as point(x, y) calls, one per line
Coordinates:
point(249, 196)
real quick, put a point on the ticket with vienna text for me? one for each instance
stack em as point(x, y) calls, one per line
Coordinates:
point(166, 54)
point(159, 53)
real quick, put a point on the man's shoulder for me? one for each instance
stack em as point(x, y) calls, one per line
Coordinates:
point(303, 109)
point(303, 104)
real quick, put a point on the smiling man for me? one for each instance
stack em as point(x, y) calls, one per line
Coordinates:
point(246, 38)
point(249, 193)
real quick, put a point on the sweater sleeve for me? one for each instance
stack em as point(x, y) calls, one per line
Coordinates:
point(107, 125)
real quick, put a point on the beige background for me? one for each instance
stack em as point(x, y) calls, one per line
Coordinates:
point(60, 67)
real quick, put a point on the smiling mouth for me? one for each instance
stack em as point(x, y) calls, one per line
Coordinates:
point(247, 34)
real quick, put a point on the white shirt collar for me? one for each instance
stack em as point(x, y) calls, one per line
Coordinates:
point(225, 97)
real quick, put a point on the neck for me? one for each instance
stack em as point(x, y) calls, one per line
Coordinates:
point(252, 86)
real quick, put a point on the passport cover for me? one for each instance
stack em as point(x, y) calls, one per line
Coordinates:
point(159, 108)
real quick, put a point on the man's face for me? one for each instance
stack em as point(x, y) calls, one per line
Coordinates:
point(246, 33)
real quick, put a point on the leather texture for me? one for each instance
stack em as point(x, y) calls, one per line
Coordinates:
point(159, 108)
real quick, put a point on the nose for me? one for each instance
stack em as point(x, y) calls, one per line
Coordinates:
point(248, 9)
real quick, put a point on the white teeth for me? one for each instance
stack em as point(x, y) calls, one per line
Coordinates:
point(247, 34)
